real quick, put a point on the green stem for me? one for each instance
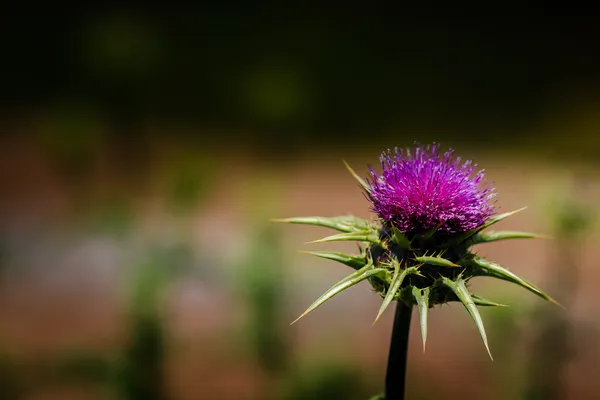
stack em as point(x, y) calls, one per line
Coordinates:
point(395, 378)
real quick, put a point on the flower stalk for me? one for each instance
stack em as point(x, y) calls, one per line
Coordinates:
point(395, 378)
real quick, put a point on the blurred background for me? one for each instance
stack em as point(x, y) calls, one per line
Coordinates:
point(142, 155)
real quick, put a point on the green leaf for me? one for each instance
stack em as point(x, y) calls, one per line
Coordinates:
point(480, 301)
point(439, 261)
point(364, 236)
point(500, 217)
point(363, 184)
point(395, 284)
point(400, 239)
point(493, 236)
point(422, 298)
point(488, 268)
point(460, 289)
point(344, 223)
point(495, 219)
point(350, 260)
point(364, 273)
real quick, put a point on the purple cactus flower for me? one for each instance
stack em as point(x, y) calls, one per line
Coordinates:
point(419, 191)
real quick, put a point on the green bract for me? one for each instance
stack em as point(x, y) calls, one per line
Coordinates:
point(423, 270)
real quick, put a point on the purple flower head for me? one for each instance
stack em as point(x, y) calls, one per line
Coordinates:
point(418, 191)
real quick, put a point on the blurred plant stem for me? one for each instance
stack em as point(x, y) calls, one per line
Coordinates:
point(552, 349)
point(140, 373)
point(264, 294)
point(395, 377)
point(262, 285)
point(508, 370)
point(261, 281)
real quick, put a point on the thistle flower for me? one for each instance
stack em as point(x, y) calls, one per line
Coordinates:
point(420, 191)
point(431, 209)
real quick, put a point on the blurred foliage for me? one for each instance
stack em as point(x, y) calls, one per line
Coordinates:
point(135, 371)
point(505, 332)
point(70, 131)
point(573, 213)
point(161, 264)
point(112, 216)
point(325, 381)
point(140, 371)
point(262, 282)
point(572, 219)
point(569, 203)
point(190, 180)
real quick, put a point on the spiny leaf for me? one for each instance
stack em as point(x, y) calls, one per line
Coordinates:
point(493, 236)
point(460, 289)
point(495, 219)
point(364, 273)
point(344, 223)
point(439, 261)
point(400, 238)
point(360, 180)
point(422, 298)
point(350, 260)
point(480, 301)
point(488, 268)
point(364, 236)
point(500, 217)
point(394, 286)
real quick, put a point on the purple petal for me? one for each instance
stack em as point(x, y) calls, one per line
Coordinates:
point(419, 190)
